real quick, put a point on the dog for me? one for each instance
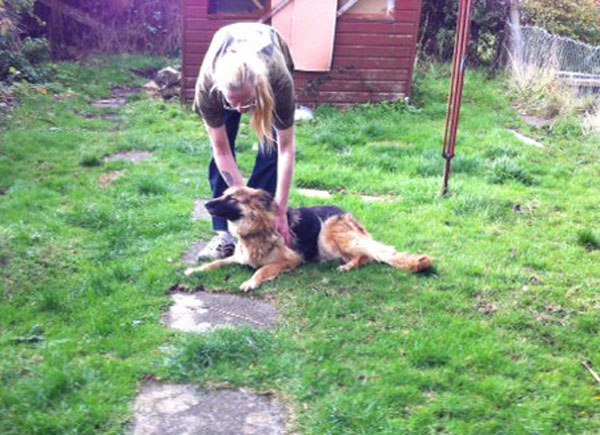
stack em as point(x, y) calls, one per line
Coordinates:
point(319, 234)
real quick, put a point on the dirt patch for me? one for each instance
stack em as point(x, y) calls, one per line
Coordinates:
point(8, 101)
point(4, 261)
point(487, 308)
point(130, 156)
point(202, 312)
point(200, 212)
point(105, 117)
point(174, 409)
point(107, 180)
point(536, 121)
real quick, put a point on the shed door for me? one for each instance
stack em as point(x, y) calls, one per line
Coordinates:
point(309, 29)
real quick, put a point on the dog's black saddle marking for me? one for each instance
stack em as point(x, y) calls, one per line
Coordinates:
point(306, 223)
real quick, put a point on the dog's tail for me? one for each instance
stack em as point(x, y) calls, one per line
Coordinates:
point(388, 254)
point(366, 245)
point(353, 241)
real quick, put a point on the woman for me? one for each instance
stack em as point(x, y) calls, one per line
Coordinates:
point(248, 68)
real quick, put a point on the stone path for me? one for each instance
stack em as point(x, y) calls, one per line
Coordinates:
point(126, 92)
point(190, 257)
point(110, 103)
point(133, 156)
point(324, 194)
point(526, 140)
point(176, 409)
point(203, 312)
point(200, 212)
point(314, 193)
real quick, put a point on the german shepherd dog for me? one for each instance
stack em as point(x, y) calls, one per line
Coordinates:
point(319, 234)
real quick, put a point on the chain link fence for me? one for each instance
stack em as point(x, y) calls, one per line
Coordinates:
point(573, 62)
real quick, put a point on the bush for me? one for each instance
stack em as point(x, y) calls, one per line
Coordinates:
point(126, 26)
point(19, 59)
point(577, 19)
point(438, 29)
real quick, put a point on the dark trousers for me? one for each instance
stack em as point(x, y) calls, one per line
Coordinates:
point(264, 174)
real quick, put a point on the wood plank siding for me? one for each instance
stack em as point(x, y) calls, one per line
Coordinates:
point(373, 57)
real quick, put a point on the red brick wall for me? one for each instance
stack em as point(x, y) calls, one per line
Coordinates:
point(372, 58)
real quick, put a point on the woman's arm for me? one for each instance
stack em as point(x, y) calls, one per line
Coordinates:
point(285, 174)
point(223, 156)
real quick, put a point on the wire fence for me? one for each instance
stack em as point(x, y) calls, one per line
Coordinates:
point(575, 62)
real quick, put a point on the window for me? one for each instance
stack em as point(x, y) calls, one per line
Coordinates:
point(237, 7)
point(369, 7)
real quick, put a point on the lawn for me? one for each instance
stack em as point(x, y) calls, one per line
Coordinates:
point(491, 342)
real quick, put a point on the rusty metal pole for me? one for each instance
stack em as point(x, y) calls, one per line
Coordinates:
point(456, 85)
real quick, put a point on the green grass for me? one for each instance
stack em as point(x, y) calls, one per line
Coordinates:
point(85, 272)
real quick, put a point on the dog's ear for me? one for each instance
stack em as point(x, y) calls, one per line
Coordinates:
point(263, 200)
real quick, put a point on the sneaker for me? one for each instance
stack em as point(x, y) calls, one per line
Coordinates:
point(221, 246)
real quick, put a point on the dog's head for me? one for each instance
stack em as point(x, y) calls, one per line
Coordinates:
point(248, 210)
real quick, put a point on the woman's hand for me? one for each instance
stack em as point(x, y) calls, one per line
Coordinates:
point(281, 223)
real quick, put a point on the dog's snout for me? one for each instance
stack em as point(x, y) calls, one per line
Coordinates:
point(210, 205)
point(222, 208)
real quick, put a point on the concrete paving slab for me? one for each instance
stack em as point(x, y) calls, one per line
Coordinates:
point(315, 193)
point(126, 92)
point(130, 156)
point(200, 212)
point(184, 409)
point(374, 198)
point(527, 140)
point(202, 312)
point(110, 103)
point(191, 256)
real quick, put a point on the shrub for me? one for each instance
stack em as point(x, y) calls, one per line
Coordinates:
point(505, 169)
point(577, 19)
point(588, 239)
point(19, 59)
point(438, 29)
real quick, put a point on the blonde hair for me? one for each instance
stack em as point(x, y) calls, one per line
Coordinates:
point(234, 70)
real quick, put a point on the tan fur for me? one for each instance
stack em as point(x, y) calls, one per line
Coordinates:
point(262, 247)
point(345, 238)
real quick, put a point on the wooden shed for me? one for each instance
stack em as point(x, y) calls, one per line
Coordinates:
point(373, 47)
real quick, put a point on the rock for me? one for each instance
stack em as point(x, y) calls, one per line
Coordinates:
point(167, 77)
point(152, 89)
point(303, 114)
point(170, 92)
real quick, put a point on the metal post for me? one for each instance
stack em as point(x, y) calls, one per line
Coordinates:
point(456, 86)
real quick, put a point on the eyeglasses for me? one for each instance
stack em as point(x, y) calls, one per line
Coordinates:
point(227, 105)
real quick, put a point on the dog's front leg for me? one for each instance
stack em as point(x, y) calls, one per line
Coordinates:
point(265, 273)
point(212, 265)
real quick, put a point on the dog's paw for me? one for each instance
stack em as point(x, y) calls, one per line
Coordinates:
point(248, 285)
point(192, 270)
point(421, 264)
point(344, 268)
